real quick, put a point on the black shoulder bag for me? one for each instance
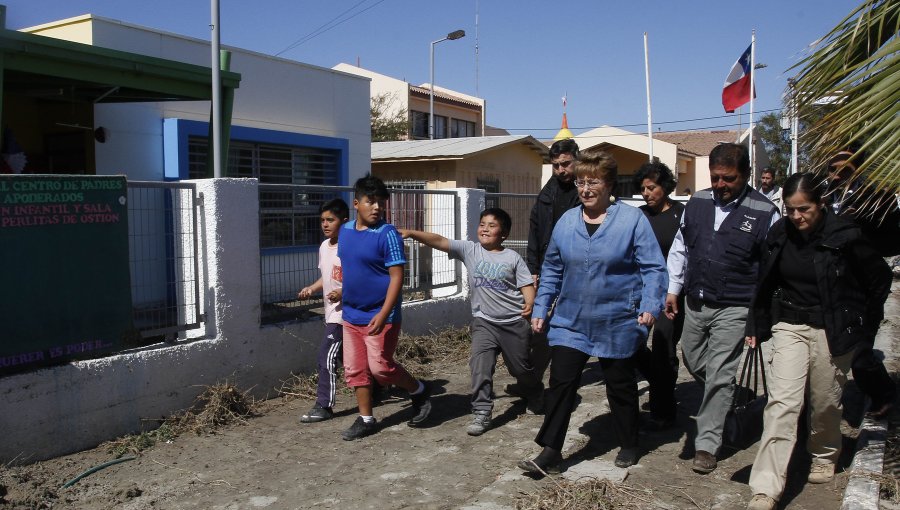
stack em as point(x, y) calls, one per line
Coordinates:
point(744, 421)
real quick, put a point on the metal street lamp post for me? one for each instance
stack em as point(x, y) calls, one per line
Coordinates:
point(452, 36)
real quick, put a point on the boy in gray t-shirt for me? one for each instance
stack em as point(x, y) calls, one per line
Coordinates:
point(502, 294)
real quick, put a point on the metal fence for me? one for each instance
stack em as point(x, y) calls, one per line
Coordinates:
point(519, 208)
point(163, 257)
point(290, 236)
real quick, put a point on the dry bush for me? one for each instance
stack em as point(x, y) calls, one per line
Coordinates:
point(585, 494)
point(889, 487)
point(136, 443)
point(298, 386)
point(425, 353)
point(219, 405)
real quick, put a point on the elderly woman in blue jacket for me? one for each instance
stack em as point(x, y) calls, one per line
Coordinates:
point(605, 271)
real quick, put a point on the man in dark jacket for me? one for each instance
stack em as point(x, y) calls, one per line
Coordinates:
point(714, 259)
point(556, 197)
point(880, 225)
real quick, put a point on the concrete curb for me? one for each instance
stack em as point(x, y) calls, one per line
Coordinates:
point(863, 490)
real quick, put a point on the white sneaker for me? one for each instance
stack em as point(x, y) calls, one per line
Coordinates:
point(821, 473)
point(762, 502)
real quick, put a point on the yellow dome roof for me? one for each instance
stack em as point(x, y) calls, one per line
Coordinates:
point(564, 132)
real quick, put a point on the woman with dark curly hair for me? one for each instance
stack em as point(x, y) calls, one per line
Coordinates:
point(659, 363)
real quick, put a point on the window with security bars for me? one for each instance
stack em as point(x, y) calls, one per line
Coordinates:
point(406, 210)
point(287, 217)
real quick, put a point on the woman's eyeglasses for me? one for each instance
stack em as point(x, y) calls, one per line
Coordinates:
point(591, 184)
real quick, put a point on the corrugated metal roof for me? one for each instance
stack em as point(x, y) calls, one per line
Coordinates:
point(699, 143)
point(450, 148)
point(439, 94)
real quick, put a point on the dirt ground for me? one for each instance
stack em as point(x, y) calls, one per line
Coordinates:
point(273, 461)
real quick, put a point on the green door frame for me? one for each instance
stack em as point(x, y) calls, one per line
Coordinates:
point(156, 79)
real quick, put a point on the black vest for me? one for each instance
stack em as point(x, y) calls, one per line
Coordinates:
point(724, 264)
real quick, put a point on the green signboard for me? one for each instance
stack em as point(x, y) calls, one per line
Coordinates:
point(65, 288)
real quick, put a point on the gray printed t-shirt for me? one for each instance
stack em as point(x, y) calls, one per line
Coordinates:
point(495, 279)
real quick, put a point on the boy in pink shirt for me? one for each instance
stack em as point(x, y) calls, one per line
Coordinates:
point(332, 214)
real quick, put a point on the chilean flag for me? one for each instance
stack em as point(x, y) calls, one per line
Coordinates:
point(737, 86)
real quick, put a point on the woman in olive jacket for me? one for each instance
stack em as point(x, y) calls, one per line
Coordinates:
point(821, 293)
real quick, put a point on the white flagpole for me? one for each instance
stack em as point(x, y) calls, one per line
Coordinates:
point(649, 111)
point(752, 89)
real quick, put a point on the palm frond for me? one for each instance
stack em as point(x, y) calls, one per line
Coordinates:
point(855, 69)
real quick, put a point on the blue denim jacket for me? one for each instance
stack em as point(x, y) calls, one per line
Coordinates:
point(601, 283)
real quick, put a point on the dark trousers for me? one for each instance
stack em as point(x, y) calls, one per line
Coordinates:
point(871, 377)
point(659, 363)
point(329, 360)
point(511, 340)
point(566, 366)
point(540, 353)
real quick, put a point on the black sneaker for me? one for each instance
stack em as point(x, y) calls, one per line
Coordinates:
point(359, 429)
point(548, 462)
point(535, 404)
point(627, 457)
point(421, 404)
point(514, 390)
point(317, 414)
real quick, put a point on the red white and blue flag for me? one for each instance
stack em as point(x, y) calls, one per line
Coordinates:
point(737, 86)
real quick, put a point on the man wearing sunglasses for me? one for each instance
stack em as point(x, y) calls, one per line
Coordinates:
point(556, 197)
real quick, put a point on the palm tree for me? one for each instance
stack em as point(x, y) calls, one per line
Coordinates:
point(855, 70)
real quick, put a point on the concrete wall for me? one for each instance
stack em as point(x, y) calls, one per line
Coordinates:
point(516, 167)
point(381, 84)
point(666, 152)
point(438, 174)
point(71, 407)
point(701, 174)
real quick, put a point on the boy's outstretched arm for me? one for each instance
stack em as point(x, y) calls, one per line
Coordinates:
point(528, 293)
point(390, 299)
point(429, 239)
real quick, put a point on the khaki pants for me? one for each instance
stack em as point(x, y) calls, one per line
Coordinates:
point(800, 364)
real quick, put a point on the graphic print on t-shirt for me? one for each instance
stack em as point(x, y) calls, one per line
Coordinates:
point(337, 274)
point(491, 275)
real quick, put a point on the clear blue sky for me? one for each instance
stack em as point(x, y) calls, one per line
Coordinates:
point(531, 53)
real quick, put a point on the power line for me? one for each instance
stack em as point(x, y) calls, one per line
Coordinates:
point(702, 128)
point(329, 25)
point(643, 123)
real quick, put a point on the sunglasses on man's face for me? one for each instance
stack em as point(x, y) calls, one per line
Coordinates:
point(564, 164)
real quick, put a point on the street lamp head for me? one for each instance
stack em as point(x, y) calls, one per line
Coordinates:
point(760, 66)
point(459, 34)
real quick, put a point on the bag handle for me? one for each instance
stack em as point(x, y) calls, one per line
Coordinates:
point(762, 369)
point(744, 380)
point(753, 367)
